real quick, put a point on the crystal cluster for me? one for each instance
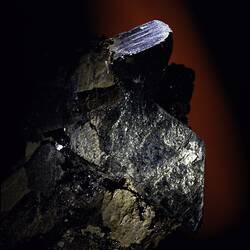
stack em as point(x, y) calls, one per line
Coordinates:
point(111, 164)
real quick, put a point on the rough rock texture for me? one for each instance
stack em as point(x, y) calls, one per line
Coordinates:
point(112, 164)
point(121, 214)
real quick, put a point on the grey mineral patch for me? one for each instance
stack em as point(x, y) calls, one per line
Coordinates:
point(85, 142)
point(94, 72)
point(93, 230)
point(31, 147)
point(44, 169)
point(120, 212)
point(14, 189)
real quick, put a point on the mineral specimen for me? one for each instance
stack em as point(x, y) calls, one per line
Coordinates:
point(141, 38)
point(116, 167)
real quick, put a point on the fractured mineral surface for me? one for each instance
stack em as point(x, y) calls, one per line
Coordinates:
point(112, 164)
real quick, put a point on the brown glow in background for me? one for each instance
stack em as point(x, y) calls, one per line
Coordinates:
point(210, 115)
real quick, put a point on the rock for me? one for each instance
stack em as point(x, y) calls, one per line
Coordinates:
point(136, 140)
point(110, 161)
point(30, 149)
point(94, 71)
point(93, 230)
point(151, 41)
point(44, 170)
point(174, 91)
point(14, 189)
point(121, 213)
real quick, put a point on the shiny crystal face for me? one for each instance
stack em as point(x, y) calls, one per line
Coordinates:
point(139, 39)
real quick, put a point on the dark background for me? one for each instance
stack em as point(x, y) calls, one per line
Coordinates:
point(42, 37)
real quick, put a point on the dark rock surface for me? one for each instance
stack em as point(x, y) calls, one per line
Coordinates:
point(110, 162)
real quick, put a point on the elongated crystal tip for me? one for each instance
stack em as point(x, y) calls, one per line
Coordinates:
point(140, 38)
